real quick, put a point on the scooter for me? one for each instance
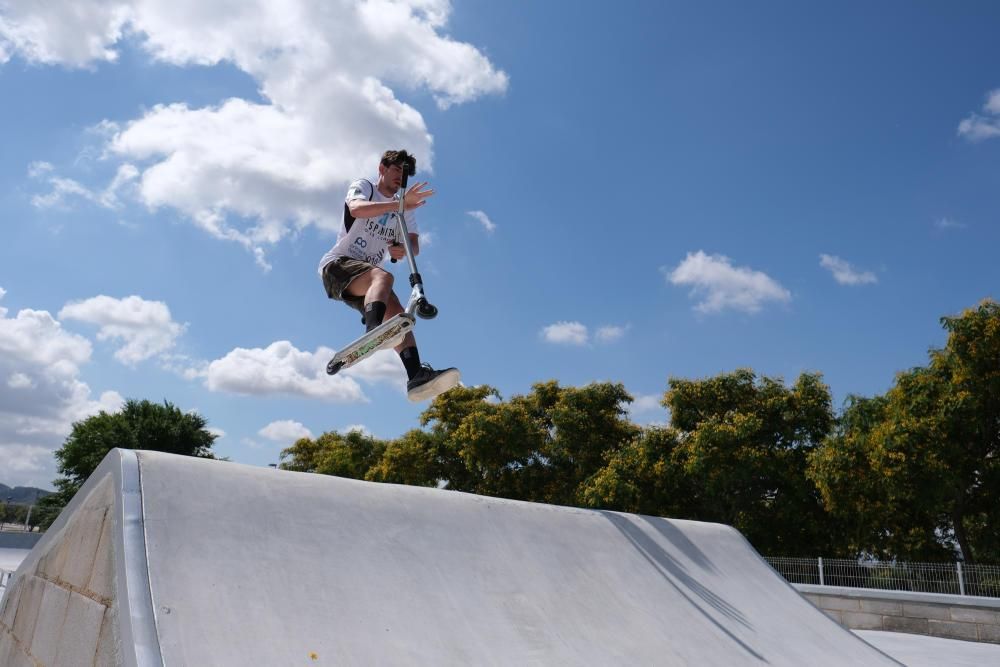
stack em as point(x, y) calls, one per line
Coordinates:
point(391, 332)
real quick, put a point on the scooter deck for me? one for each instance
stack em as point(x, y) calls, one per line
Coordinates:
point(388, 334)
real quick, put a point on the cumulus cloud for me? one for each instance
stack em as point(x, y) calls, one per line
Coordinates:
point(41, 393)
point(647, 409)
point(484, 220)
point(993, 102)
point(251, 171)
point(383, 366)
point(844, 273)
point(281, 368)
point(575, 333)
point(609, 333)
point(284, 431)
point(721, 286)
point(646, 403)
point(978, 127)
point(64, 190)
point(144, 328)
point(566, 333)
point(948, 223)
point(360, 428)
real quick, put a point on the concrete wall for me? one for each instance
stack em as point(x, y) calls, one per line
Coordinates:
point(19, 540)
point(951, 616)
point(60, 611)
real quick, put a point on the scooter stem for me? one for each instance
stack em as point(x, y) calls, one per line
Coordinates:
point(418, 301)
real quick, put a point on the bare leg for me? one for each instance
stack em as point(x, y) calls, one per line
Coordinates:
point(376, 285)
point(392, 308)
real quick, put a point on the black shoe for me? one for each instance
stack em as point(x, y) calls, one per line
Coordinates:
point(428, 383)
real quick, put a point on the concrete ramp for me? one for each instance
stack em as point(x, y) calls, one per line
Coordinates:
point(167, 560)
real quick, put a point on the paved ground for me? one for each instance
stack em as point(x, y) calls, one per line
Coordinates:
point(922, 651)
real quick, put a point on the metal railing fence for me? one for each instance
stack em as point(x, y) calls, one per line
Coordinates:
point(951, 578)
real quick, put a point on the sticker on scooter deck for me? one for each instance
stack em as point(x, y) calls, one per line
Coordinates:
point(370, 346)
point(386, 338)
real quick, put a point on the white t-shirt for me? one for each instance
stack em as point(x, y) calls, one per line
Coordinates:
point(366, 239)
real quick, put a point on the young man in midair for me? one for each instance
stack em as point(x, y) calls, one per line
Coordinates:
point(352, 272)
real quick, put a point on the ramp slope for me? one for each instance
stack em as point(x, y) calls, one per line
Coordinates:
point(246, 565)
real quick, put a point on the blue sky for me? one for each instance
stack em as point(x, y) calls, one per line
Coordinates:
point(662, 189)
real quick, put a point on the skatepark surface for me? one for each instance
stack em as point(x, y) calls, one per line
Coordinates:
point(168, 560)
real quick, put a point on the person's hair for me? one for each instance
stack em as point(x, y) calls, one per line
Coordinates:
point(402, 158)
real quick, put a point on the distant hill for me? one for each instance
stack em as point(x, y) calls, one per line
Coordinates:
point(21, 495)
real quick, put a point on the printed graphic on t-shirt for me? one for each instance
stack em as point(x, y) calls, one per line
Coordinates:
point(377, 234)
point(368, 239)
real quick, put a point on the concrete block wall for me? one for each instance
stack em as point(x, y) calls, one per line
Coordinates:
point(951, 616)
point(60, 611)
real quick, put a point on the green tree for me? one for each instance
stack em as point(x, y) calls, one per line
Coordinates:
point(348, 455)
point(138, 425)
point(411, 459)
point(920, 467)
point(743, 443)
point(541, 446)
point(852, 478)
point(643, 477)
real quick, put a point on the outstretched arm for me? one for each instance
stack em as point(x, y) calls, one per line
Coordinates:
point(416, 196)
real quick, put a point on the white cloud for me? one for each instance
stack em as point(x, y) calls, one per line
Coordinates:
point(20, 381)
point(948, 223)
point(383, 366)
point(251, 443)
point(484, 220)
point(41, 394)
point(65, 189)
point(647, 410)
point(576, 333)
point(51, 33)
point(360, 428)
point(144, 327)
point(646, 403)
point(993, 102)
point(844, 273)
point(721, 285)
point(280, 368)
point(284, 431)
point(980, 128)
point(326, 70)
point(569, 333)
point(38, 169)
point(217, 432)
point(610, 333)
point(184, 366)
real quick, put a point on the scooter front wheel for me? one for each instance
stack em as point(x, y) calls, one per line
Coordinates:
point(426, 310)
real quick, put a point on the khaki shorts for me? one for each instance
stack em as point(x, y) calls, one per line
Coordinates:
point(338, 274)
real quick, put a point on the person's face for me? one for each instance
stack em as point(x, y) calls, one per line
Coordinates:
point(392, 175)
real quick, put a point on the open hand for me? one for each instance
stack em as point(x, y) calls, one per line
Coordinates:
point(416, 196)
